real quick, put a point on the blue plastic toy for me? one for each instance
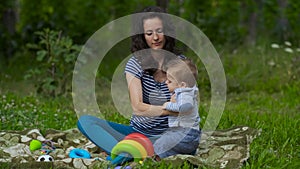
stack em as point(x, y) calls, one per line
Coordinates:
point(79, 153)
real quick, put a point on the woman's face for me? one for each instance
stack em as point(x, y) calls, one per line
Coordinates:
point(153, 33)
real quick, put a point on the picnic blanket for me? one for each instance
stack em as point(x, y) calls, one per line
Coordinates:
point(218, 149)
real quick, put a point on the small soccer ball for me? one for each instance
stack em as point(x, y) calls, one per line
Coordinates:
point(46, 158)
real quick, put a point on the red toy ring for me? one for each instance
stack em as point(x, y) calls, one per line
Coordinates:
point(143, 140)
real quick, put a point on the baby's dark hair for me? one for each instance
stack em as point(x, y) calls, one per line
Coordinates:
point(183, 70)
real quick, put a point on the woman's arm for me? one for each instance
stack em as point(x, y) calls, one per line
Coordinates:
point(136, 99)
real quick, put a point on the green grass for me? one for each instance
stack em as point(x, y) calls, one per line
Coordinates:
point(263, 93)
point(18, 113)
point(278, 117)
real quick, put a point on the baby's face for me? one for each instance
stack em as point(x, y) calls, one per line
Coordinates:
point(172, 82)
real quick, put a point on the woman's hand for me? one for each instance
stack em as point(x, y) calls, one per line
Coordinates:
point(170, 113)
point(165, 105)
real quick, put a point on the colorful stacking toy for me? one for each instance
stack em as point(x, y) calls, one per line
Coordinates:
point(134, 145)
point(143, 140)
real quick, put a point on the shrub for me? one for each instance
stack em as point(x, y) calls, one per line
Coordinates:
point(56, 55)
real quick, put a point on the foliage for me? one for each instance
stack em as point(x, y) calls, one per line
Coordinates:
point(263, 82)
point(259, 68)
point(82, 17)
point(234, 21)
point(260, 100)
point(56, 55)
point(223, 21)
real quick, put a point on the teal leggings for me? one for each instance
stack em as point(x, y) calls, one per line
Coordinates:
point(104, 134)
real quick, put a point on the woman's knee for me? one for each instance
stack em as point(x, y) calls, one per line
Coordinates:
point(87, 119)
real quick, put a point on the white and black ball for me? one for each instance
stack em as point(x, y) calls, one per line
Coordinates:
point(45, 158)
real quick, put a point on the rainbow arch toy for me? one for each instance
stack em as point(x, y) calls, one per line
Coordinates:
point(134, 145)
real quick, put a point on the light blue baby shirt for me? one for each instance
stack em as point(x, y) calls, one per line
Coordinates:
point(187, 107)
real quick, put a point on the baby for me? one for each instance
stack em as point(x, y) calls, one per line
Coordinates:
point(183, 134)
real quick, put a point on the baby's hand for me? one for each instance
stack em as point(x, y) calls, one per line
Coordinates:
point(173, 98)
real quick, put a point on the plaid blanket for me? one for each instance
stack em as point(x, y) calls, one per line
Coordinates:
point(219, 149)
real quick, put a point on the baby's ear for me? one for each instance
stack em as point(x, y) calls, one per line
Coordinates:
point(183, 84)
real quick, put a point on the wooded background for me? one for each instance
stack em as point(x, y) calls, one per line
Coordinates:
point(238, 22)
point(258, 42)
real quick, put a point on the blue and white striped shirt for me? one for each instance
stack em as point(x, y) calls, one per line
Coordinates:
point(154, 93)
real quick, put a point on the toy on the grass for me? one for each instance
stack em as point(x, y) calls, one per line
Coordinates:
point(45, 158)
point(35, 145)
point(135, 149)
point(136, 145)
point(79, 153)
point(47, 147)
point(142, 139)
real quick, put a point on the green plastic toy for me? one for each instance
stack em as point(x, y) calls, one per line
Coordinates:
point(35, 145)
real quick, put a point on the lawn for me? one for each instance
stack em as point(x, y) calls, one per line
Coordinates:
point(263, 89)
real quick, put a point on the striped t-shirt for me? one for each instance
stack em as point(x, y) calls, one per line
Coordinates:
point(154, 93)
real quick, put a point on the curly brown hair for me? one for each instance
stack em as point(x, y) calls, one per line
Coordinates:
point(139, 43)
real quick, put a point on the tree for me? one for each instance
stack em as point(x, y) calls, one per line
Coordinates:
point(162, 3)
point(282, 21)
point(8, 15)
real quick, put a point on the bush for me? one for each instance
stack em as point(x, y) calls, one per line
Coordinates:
point(56, 55)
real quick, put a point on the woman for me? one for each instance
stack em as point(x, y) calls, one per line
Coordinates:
point(144, 74)
point(146, 84)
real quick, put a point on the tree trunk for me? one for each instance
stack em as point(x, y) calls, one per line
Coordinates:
point(283, 23)
point(252, 22)
point(163, 4)
point(9, 20)
point(251, 38)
